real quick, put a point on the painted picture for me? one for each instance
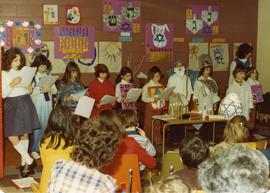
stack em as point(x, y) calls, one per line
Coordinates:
point(73, 13)
point(154, 92)
point(220, 57)
point(257, 93)
point(50, 14)
point(195, 50)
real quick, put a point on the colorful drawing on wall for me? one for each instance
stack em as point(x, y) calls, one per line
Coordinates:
point(50, 14)
point(257, 93)
point(159, 42)
point(110, 53)
point(73, 42)
point(202, 19)
point(219, 52)
point(73, 13)
point(59, 65)
point(121, 16)
point(23, 34)
point(195, 50)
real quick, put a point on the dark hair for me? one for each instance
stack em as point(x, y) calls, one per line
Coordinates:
point(8, 57)
point(250, 70)
point(152, 71)
point(193, 151)
point(71, 66)
point(77, 121)
point(59, 128)
point(243, 50)
point(129, 118)
point(96, 142)
point(203, 69)
point(41, 60)
point(101, 68)
point(238, 68)
point(124, 70)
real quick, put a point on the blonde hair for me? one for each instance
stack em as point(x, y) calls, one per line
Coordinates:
point(173, 184)
point(236, 130)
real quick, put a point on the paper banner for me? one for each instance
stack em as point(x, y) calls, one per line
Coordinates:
point(73, 14)
point(121, 16)
point(195, 50)
point(73, 42)
point(202, 19)
point(219, 52)
point(50, 14)
point(159, 42)
point(22, 34)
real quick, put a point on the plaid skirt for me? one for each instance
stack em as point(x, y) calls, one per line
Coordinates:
point(20, 116)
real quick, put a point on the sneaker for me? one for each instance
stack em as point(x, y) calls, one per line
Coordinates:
point(35, 155)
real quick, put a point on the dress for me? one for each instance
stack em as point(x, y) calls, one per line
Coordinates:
point(43, 107)
point(98, 89)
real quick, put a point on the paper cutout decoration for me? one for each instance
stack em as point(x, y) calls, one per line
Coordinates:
point(257, 93)
point(124, 88)
point(73, 42)
point(219, 52)
point(202, 19)
point(159, 42)
point(121, 16)
point(50, 14)
point(73, 13)
point(195, 50)
point(22, 34)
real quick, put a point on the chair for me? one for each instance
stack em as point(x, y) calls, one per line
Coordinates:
point(120, 170)
point(251, 145)
point(171, 161)
point(261, 145)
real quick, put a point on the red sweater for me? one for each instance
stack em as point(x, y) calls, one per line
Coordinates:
point(97, 90)
point(130, 146)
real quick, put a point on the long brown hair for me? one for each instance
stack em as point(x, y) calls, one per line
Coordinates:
point(9, 55)
point(71, 66)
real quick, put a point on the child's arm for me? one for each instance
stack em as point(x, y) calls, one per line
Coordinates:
point(146, 144)
point(7, 86)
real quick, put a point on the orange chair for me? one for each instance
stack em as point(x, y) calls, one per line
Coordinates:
point(261, 145)
point(251, 145)
point(120, 170)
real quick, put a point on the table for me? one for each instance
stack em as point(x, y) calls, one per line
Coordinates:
point(170, 120)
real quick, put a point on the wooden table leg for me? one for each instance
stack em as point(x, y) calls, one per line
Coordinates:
point(214, 131)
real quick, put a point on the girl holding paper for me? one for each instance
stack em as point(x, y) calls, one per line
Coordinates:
point(100, 87)
point(20, 115)
point(69, 85)
point(42, 99)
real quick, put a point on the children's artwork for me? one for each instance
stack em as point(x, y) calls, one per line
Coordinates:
point(73, 14)
point(159, 42)
point(124, 88)
point(220, 57)
point(257, 93)
point(110, 53)
point(121, 16)
point(195, 50)
point(202, 19)
point(50, 14)
point(73, 42)
point(22, 34)
point(153, 92)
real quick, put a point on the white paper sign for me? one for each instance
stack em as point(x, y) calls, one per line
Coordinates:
point(85, 106)
point(142, 75)
point(47, 81)
point(134, 94)
point(166, 93)
point(24, 182)
point(27, 74)
point(107, 99)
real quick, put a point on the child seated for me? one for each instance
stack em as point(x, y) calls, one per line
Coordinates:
point(130, 121)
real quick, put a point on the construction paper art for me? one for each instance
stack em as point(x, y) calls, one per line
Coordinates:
point(257, 93)
point(195, 50)
point(73, 13)
point(50, 14)
point(219, 52)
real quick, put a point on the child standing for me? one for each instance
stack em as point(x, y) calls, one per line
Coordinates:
point(42, 99)
point(100, 87)
point(20, 115)
point(70, 84)
point(123, 85)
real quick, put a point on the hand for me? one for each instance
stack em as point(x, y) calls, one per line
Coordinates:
point(98, 105)
point(68, 98)
point(48, 89)
point(43, 89)
point(15, 81)
point(173, 94)
point(141, 132)
point(29, 88)
point(196, 101)
point(125, 100)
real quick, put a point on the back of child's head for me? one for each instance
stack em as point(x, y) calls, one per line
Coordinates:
point(238, 68)
point(124, 70)
point(41, 60)
point(9, 55)
point(96, 141)
point(172, 184)
point(128, 118)
point(59, 128)
point(193, 150)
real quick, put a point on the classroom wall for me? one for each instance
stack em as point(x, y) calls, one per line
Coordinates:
point(263, 44)
point(238, 23)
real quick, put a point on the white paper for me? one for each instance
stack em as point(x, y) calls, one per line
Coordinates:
point(47, 81)
point(78, 95)
point(142, 75)
point(107, 99)
point(134, 94)
point(27, 74)
point(24, 182)
point(166, 93)
point(85, 106)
